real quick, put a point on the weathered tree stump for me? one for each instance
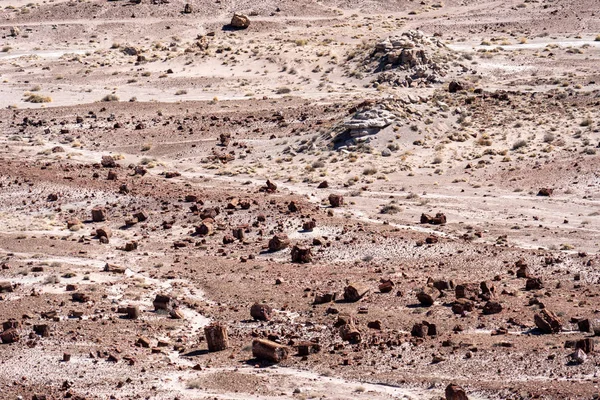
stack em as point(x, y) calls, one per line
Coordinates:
point(216, 337)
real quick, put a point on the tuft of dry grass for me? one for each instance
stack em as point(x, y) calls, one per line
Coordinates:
point(37, 98)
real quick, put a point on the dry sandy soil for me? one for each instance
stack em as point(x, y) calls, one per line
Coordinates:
point(484, 111)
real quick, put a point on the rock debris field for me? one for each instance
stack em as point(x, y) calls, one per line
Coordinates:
point(299, 200)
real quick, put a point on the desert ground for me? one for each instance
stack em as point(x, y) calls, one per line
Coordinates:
point(363, 199)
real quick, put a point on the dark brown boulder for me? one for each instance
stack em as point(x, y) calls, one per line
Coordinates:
point(492, 307)
point(534, 284)
point(141, 215)
point(108, 162)
point(6, 287)
point(428, 295)
point(279, 242)
point(163, 302)
point(461, 306)
point(240, 21)
point(9, 336)
point(308, 226)
point(261, 312)
point(547, 322)
point(324, 298)
point(104, 231)
point(545, 192)
point(455, 392)
point(455, 86)
point(355, 291)
point(98, 214)
point(336, 200)
point(386, 286)
point(467, 291)
point(301, 254)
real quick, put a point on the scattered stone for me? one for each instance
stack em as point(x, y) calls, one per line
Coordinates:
point(423, 329)
point(455, 392)
point(133, 312)
point(355, 291)
point(164, 302)
point(9, 336)
point(492, 307)
point(80, 297)
point(104, 231)
point(42, 330)
point(336, 200)
point(261, 312)
point(6, 287)
point(349, 332)
point(301, 254)
point(324, 298)
point(439, 219)
point(308, 348)
point(547, 322)
point(308, 226)
point(141, 215)
point(108, 162)
point(578, 357)
point(279, 242)
point(534, 284)
point(462, 306)
point(455, 86)
point(240, 21)
point(545, 192)
point(386, 286)
point(98, 214)
point(428, 295)
point(267, 350)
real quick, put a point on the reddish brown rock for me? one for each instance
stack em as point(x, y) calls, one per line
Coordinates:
point(108, 162)
point(98, 214)
point(534, 284)
point(355, 291)
point(548, 322)
point(164, 302)
point(104, 231)
point(279, 242)
point(386, 286)
point(336, 200)
point(455, 392)
point(308, 226)
point(492, 307)
point(428, 295)
point(9, 336)
point(267, 350)
point(261, 312)
point(301, 254)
